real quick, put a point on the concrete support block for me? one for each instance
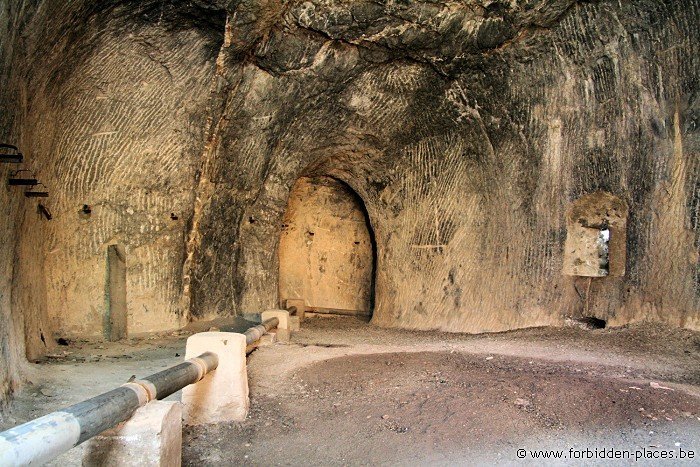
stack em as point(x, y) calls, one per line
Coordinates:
point(222, 395)
point(268, 339)
point(151, 437)
point(284, 336)
point(294, 323)
point(283, 333)
point(281, 315)
point(300, 304)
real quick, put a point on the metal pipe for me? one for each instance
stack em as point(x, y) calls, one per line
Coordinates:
point(256, 332)
point(333, 311)
point(292, 310)
point(41, 440)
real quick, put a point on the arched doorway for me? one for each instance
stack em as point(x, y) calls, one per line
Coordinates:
point(327, 251)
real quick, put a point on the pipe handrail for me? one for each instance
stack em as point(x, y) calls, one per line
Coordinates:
point(41, 440)
point(254, 333)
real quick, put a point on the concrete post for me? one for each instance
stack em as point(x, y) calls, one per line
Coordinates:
point(222, 395)
point(151, 437)
point(283, 329)
point(300, 304)
point(294, 323)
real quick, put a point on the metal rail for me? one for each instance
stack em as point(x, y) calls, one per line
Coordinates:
point(256, 332)
point(41, 440)
point(334, 311)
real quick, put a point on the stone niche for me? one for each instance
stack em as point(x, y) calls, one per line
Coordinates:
point(596, 236)
point(326, 251)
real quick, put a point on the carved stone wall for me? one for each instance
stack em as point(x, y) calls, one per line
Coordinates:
point(466, 127)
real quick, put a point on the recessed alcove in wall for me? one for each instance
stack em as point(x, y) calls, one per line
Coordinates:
point(326, 249)
point(115, 322)
point(596, 236)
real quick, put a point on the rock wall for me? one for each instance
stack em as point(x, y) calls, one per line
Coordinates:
point(117, 121)
point(11, 324)
point(467, 129)
point(109, 103)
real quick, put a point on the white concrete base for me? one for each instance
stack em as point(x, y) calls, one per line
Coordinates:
point(151, 437)
point(281, 315)
point(222, 395)
point(283, 334)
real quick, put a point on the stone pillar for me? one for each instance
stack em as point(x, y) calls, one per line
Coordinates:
point(294, 323)
point(283, 329)
point(151, 437)
point(300, 304)
point(222, 395)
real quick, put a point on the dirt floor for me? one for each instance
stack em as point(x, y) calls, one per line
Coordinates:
point(344, 392)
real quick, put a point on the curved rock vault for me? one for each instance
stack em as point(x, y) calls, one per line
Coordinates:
point(176, 130)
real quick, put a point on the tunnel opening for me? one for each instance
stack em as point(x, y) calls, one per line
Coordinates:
point(327, 250)
point(587, 322)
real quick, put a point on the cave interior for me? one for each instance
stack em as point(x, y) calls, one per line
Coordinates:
point(443, 169)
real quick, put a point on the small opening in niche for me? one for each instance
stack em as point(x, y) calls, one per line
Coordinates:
point(603, 246)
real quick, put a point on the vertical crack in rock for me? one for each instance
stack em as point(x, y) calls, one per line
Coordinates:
point(220, 101)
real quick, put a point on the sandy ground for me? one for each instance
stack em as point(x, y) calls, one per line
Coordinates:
point(344, 392)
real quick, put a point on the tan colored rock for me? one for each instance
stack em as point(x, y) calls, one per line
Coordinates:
point(268, 339)
point(281, 315)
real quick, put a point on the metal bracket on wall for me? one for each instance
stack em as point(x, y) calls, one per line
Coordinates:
point(45, 212)
point(19, 181)
point(36, 193)
point(9, 154)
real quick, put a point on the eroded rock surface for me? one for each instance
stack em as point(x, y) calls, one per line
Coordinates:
point(466, 127)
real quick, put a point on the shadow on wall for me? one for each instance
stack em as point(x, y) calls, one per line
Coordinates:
point(115, 323)
point(326, 250)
